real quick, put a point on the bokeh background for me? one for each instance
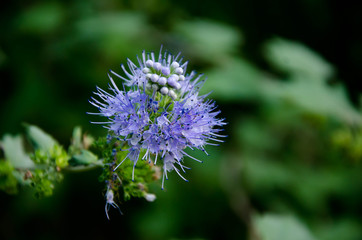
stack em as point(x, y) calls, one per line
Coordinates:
point(286, 75)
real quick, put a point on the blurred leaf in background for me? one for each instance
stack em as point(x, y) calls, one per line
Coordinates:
point(14, 152)
point(307, 76)
point(209, 40)
point(273, 227)
point(41, 18)
point(291, 163)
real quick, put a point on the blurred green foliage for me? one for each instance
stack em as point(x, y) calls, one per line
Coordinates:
point(8, 182)
point(121, 181)
point(281, 227)
point(290, 168)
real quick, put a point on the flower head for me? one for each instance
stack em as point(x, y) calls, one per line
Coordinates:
point(159, 112)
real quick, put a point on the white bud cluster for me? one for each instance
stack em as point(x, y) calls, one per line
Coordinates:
point(164, 79)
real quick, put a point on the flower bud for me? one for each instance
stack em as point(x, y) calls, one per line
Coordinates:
point(146, 70)
point(179, 70)
point(150, 197)
point(154, 77)
point(154, 87)
point(164, 90)
point(175, 65)
point(177, 86)
point(149, 63)
point(171, 81)
point(162, 81)
point(157, 66)
point(176, 77)
point(172, 94)
point(165, 71)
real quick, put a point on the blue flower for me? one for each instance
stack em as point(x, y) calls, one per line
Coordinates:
point(159, 112)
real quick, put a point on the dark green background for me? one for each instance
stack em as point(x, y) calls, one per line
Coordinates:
point(280, 156)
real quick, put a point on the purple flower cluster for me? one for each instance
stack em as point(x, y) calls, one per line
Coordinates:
point(161, 114)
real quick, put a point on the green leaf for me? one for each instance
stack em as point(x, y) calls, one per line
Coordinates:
point(40, 139)
point(211, 40)
point(280, 227)
point(43, 183)
point(14, 152)
point(8, 182)
point(41, 19)
point(85, 158)
point(295, 58)
point(342, 228)
point(234, 79)
point(320, 99)
point(264, 175)
point(122, 30)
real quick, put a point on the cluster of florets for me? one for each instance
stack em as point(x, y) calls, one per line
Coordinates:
point(164, 77)
point(161, 114)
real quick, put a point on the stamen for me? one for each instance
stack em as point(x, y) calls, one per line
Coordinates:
point(156, 158)
point(180, 174)
point(163, 179)
point(121, 162)
point(192, 157)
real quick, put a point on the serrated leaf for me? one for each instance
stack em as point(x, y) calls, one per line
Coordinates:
point(40, 139)
point(281, 227)
point(84, 158)
point(14, 152)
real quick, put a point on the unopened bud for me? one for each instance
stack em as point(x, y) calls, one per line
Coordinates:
point(176, 77)
point(162, 81)
point(149, 63)
point(171, 81)
point(177, 86)
point(157, 66)
point(172, 94)
point(175, 65)
point(150, 197)
point(179, 70)
point(154, 77)
point(154, 87)
point(164, 90)
point(165, 71)
point(146, 70)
